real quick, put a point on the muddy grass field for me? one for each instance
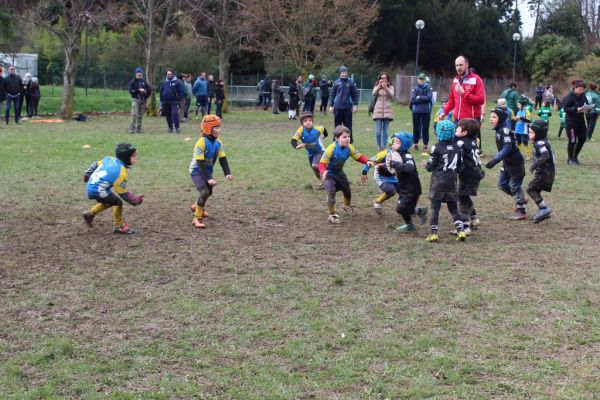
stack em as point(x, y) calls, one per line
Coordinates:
point(271, 301)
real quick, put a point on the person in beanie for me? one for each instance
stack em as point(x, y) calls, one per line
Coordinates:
point(543, 169)
point(140, 91)
point(171, 94)
point(513, 165)
point(421, 104)
point(575, 105)
point(444, 163)
point(106, 177)
point(344, 100)
point(206, 151)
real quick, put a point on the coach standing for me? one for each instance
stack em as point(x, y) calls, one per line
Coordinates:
point(14, 90)
point(344, 100)
point(467, 93)
point(139, 90)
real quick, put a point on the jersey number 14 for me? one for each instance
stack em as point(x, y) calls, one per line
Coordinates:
point(452, 164)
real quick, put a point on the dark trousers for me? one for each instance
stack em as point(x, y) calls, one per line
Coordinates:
point(209, 104)
point(436, 205)
point(343, 116)
point(14, 99)
point(591, 118)
point(171, 111)
point(323, 106)
point(538, 101)
point(511, 185)
point(421, 127)
point(219, 104)
point(576, 133)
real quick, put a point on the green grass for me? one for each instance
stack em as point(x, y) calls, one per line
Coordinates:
point(97, 100)
point(270, 301)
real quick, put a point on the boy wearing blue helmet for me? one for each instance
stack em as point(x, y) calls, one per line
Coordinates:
point(445, 163)
point(384, 173)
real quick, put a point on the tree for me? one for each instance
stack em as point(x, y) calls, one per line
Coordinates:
point(312, 33)
point(550, 57)
point(590, 15)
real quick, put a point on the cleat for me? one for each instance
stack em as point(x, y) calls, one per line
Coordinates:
point(377, 209)
point(432, 237)
point(516, 209)
point(204, 212)
point(467, 231)
point(197, 223)
point(178, 131)
point(461, 236)
point(169, 130)
point(89, 218)
point(518, 216)
point(542, 214)
point(416, 147)
point(475, 223)
point(406, 228)
point(348, 209)
point(125, 229)
point(571, 162)
point(422, 214)
point(139, 130)
point(334, 219)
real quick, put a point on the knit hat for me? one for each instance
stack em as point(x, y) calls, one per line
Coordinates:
point(422, 76)
point(445, 130)
point(139, 70)
point(306, 114)
point(343, 68)
point(311, 77)
point(405, 137)
point(124, 151)
point(208, 123)
point(540, 128)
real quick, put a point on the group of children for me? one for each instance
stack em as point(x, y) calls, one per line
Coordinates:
point(454, 164)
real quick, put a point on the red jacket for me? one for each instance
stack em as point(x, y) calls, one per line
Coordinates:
point(467, 105)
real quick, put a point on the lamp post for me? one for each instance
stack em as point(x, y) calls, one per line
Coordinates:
point(515, 37)
point(420, 24)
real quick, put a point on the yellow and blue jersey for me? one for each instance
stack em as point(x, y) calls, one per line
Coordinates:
point(380, 172)
point(109, 174)
point(335, 157)
point(207, 150)
point(311, 139)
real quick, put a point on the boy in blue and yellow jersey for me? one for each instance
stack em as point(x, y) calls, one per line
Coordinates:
point(107, 177)
point(384, 173)
point(332, 173)
point(311, 137)
point(208, 148)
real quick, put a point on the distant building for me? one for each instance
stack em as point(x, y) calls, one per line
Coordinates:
point(25, 62)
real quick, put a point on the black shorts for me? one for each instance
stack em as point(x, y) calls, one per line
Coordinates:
point(407, 203)
point(541, 182)
point(444, 197)
point(468, 188)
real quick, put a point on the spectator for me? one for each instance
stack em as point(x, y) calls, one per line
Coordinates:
point(548, 95)
point(219, 97)
point(171, 93)
point(266, 91)
point(294, 100)
point(14, 91)
point(383, 112)
point(210, 92)
point(275, 93)
point(575, 106)
point(310, 95)
point(187, 102)
point(467, 93)
point(35, 97)
point(200, 90)
point(421, 104)
point(512, 100)
point(140, 91)
point(344, 100)
point(300, 86)
point(2, 89)
point(324, 86)
point(591, 116)
point(539, 94)
point(260, 96)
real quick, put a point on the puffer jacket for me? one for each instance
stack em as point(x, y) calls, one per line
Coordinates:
point(383, 107)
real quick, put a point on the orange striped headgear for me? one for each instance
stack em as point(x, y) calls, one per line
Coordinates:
point(208, 122)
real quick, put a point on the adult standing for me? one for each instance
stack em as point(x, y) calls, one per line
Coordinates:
point(344, 100)
point(14, 91)
point(593, 99)
point(210, 91)
point(219, 97)
point(324, 86)
point(512, 101)
point(574, 105)
point(185, 104)
point(266, 91)
point(383, 112)
point(171, 93)
point(421, 104)
point(275, 93)
point(140, 91)
point(2, 89)
point(467, 93)
point(539, 95)
point(26, 95)
point(310, 95)
point(35, 96)
point(200, 90)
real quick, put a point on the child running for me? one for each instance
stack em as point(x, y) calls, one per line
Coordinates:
point(311, 137)
point(332, 173)
point(206, 151)
point(444, 163)
point(513, 165)
point(562, 117)
point(522, 129)
point(108, 175)
point(471, 174)
point(384, 173)
point(543, 169)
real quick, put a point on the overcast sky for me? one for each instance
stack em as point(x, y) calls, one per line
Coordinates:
point(528, 21)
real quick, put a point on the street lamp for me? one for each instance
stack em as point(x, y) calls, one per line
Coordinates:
point(515, 37)
point(420, 24)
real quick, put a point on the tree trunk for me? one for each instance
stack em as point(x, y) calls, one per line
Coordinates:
point(151, 108)
point(66, 108)
point(224, 56)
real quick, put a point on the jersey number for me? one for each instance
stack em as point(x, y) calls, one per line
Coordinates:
point(452, 164)
point(476, 158)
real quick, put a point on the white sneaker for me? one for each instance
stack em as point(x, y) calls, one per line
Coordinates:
point(377, 209)
point(334, 219)
point(475, 223)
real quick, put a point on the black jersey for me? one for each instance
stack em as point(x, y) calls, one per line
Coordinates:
point(408, 176)
point(543, 157)
point(509, 153)
point(471, 172)
point(445, 163)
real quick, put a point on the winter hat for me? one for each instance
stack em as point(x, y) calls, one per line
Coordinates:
point(208, 123)
point(124, 151)
point(523, 100)
point(343, 68)
point(139, 70)
point(405, 137)
point(445, 130)
point(540, 128)
point(306, 114)
point(311, 77)
point(422, 76)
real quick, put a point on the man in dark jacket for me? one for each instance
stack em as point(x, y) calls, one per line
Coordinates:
point(140, 91)
point(2, 90)
point(265, 89)
point(421, 104)
point(14, 91)
point(324, 86)
point(171, 93)
point(344, 100)
point(210, 91)
point(575, 105)
point(539, 93)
